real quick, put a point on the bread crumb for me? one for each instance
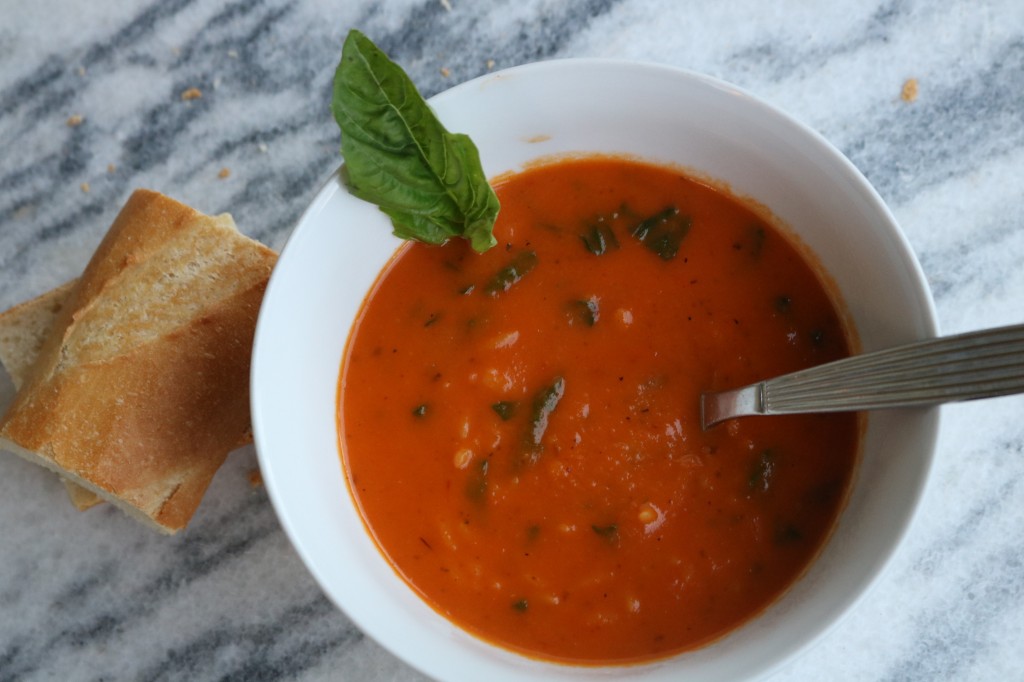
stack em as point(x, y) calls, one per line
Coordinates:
point(262, 146)
point(445, 72)
point(85, 187)
point(25, 211)
point(224, 173)
point(447, 5)
point(74, 120)
point(255, 478)
point(191, 93)
point(490, 64)
point(80, 71)
point(111, 168)
point(909, 91)
point(233, 54)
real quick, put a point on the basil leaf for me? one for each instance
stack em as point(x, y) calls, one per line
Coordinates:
point(398, 155)
point(585, 312)
point(544, 403)
point(663, 232)
point(610, 532)
point(476, 485)
point(509, 275)
point(762, 472)
point(506, 409)
point(599, 238)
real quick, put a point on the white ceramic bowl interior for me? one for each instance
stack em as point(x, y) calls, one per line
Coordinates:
point(662, 115)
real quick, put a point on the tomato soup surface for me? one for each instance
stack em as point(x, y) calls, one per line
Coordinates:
point(520, 429)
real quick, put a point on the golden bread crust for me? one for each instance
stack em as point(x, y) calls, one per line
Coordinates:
point(141, 389)
point(23, 329)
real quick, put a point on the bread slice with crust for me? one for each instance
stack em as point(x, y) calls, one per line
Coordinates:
point(23, 329)
point(140, 389)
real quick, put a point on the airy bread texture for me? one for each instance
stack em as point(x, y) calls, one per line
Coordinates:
point(141, 388)
point(24, 328)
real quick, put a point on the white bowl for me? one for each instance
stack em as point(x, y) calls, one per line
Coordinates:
point(663, 115)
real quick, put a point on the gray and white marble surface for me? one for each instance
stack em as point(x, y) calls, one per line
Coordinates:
point(94, 595)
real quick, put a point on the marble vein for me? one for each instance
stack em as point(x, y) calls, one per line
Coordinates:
point(950, 649)
point(423, 42)
point(774, 61)
point(943, 137)
point(257, 652)
point(93, 597)
point(208, 549)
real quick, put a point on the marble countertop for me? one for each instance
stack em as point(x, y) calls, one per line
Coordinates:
point(91, 107)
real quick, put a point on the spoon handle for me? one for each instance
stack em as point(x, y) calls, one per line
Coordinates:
point(981, 364)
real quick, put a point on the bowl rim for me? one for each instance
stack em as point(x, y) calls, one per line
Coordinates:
point(329, 186)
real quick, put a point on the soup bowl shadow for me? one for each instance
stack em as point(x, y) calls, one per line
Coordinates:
point(550, 109)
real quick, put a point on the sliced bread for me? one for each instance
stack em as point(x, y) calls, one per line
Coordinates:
point(140, 389)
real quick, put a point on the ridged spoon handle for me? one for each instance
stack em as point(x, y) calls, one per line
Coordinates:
point(981, 364)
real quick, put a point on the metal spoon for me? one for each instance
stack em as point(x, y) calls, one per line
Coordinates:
point(981, 364)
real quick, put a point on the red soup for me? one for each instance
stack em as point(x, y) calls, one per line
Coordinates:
point(520, 429)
